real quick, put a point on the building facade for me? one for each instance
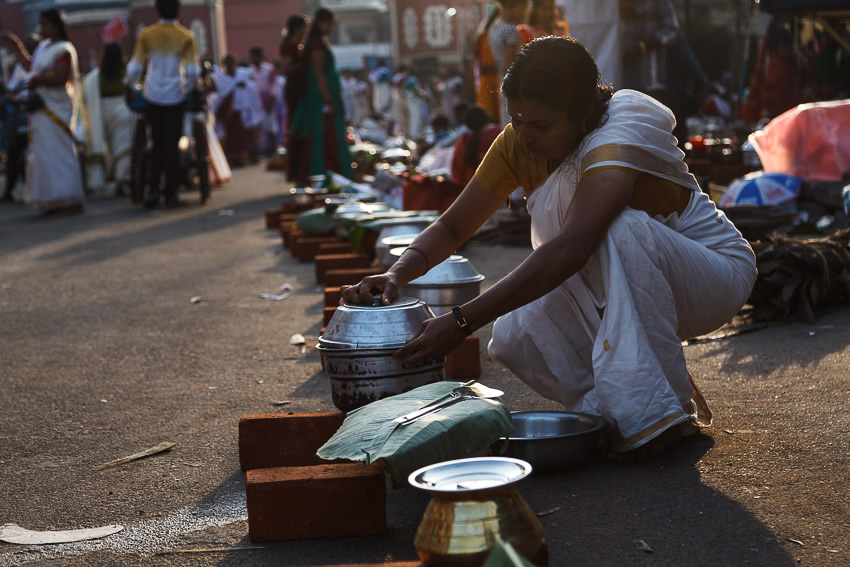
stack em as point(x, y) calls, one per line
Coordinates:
point(85, 20)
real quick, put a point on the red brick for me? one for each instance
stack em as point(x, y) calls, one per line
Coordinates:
point(286, 232)
point(307, 246)
point(336, 248)
point(332, 296)
point(353, 276)
point(325, 262)
point(313, 502)
point(294, 235)
point(272, 218)
point(283, 440)
point(328, 312)
point(289, 207)
point(465, 360)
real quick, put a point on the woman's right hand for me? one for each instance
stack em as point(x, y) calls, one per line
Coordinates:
point(384, 284)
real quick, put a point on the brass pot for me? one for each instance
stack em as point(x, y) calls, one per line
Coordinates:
point(473, 502)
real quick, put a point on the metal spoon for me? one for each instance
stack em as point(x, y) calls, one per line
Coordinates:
point(458, 394)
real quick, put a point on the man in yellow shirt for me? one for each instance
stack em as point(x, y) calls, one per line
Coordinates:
point(168, 50)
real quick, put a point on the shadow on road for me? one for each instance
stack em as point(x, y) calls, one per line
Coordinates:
point(603, 512)
point(606, 513)
point(755, 354)
point(23, 228)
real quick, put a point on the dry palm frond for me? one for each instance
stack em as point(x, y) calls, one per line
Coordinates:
point(796, 276)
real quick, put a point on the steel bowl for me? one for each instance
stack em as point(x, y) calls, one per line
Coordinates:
point(453, 281)
point(553, 440)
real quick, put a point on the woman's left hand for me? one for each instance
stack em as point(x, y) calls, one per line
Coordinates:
point(436, 338)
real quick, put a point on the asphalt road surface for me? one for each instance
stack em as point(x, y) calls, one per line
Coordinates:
point(103, 354)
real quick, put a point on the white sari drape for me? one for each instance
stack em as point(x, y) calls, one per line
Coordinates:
point(109, 127)
point(608, 340)
point(53, 168)
point(246, 99)
point(93, 130)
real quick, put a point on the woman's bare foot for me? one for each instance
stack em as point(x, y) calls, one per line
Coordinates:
point(655, 446)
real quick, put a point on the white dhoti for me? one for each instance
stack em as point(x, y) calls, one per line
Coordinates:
point(608, 340)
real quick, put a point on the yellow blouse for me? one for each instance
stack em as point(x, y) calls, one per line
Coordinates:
point(507, 166)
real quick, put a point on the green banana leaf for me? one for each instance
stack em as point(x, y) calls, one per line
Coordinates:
point(315, 222)
point(461, 430)
point(357, 232)
point(503, 554)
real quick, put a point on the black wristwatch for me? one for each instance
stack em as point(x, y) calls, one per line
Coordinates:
point(461, 320)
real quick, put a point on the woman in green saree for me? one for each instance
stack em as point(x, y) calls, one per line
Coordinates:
point(319, 122)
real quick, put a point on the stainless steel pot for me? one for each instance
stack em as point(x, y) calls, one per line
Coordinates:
point(395, 227)
point(302, 196)
point(383, 247)
point(453, 281)
point(357, 350)
point(359, 377)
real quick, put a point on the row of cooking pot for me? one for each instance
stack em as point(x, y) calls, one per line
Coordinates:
point(359, 341)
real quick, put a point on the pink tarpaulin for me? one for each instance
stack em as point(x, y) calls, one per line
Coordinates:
point(811, 141)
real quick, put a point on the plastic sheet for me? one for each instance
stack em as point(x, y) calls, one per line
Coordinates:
point(811, 141)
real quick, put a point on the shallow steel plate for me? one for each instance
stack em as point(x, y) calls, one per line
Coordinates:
point(470, 474)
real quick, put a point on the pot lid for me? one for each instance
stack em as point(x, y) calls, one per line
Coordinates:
point(375, 327)
point(399, 240)
point(464, 475)
point(417, 220)
point(452, 271)
point(303, 191)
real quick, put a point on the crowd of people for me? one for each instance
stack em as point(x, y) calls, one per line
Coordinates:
point(295, 96)
point(630, 255)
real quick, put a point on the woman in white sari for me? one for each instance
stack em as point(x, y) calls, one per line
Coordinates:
point(54, 179)
point(630, 256)
point(108, 124)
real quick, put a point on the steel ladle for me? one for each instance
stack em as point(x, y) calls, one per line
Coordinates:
point(459, 394)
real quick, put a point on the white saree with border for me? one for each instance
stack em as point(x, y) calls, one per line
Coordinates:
point(108, 126)
point(53, 168)
point(608, 340)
